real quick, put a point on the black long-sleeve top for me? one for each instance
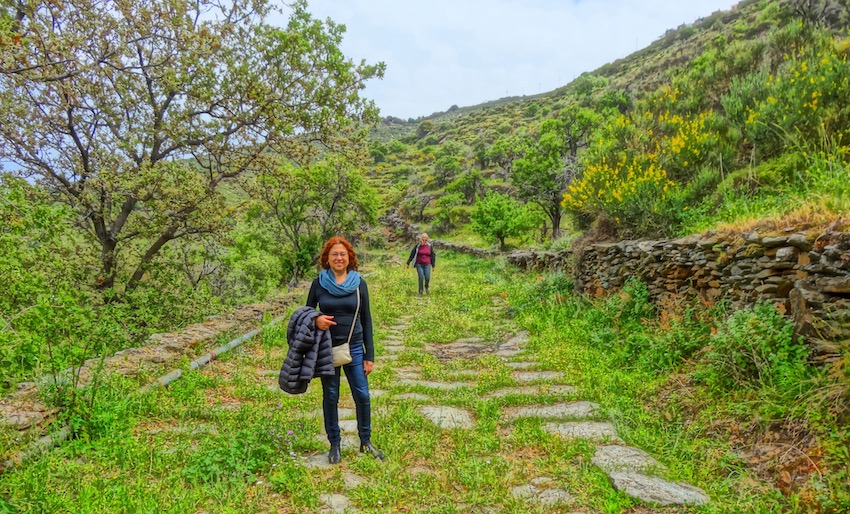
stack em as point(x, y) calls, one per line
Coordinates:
point(342, 309)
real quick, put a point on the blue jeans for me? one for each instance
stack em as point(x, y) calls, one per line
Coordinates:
point(359, 385)
point(424, 272)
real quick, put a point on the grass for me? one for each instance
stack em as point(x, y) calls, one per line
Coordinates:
point(224, 439)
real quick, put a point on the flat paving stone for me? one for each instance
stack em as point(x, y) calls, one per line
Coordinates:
point(534, 376)
point(374, 393)
point(435, 385)
point(407, 373)
point(388, 357)
point(544, 497)
point(318, 461)
point(351, 480)
point(447, 417)
point(657, 490)
point(412, 396)
point(556, 411)
point(623, 458)
point(336, 503)
point(518, 340)
point(507, 353)
point(522, 365)
point(346, 442)
point(594, 430)
point(557, 389)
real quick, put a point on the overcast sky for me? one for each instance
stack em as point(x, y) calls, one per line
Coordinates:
point(444, 52)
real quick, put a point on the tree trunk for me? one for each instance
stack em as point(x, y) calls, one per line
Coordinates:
point(106, 280)
point(556, 224)
point(167, 236)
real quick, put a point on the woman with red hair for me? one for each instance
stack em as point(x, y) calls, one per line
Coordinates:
point(341, 294)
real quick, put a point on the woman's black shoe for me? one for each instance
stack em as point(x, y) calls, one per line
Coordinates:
point(371, 450)
point(334, 455)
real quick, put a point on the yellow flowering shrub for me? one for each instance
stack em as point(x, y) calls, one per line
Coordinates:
point(636, 161)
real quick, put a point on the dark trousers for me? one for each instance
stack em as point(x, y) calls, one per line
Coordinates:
point(359, 385)
point(424, 272)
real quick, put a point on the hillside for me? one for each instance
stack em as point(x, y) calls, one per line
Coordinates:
point(690, 120)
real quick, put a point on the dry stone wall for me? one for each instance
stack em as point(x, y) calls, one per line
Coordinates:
point(807, 277)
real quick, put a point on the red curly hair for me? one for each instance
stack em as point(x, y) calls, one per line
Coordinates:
point(339, 240)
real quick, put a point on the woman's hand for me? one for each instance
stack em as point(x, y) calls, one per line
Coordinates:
point(368, 366)
point(324, 322)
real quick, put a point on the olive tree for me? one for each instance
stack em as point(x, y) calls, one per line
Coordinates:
point(136, 112)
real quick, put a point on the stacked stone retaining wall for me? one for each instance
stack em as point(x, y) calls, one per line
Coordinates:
point(807, 277)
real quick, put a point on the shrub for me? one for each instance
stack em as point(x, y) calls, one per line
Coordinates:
point(755, 349)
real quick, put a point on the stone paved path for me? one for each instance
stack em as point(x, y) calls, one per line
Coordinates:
point(629, 469)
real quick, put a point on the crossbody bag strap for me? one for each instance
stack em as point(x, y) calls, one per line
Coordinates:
point(354, 320)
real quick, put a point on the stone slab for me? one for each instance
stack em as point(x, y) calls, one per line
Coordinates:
point(532, 390)
point(336, 503)
point(594, 430)
point(623, 458)
point(657, 490)
point(534, 376)
point(435, 385)
point(447, 417)
point(556, 411)
point(412, 396)
point(521, 365)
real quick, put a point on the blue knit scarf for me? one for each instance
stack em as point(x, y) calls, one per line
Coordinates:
point(327, 279)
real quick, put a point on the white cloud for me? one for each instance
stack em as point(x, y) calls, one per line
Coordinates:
point(464, 52)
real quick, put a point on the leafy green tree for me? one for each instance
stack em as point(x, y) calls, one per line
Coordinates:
point(505, 150)
point(497, 217)
point(415, 203)
point(424, 128)
point(545, 172)
point(310, 204)
point(397, 147)
point(479, 153)
point(136, 113)
point(450, 213)
point(450, 160)
point(378, 151)
point(469, 185)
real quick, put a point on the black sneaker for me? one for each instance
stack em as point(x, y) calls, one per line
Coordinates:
point(334, 456)
point(370, 449)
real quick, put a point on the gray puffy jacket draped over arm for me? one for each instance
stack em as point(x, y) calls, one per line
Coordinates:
point(310, 352)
